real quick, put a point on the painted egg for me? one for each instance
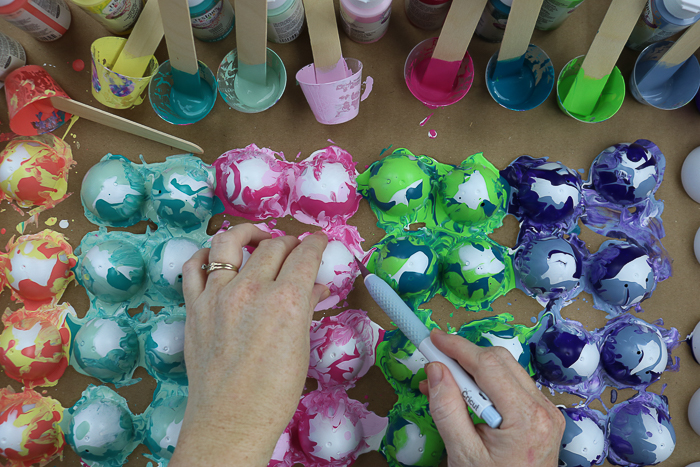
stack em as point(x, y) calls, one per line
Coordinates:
point(408, 265)
point(165, 266)
point(326, 189)
point(400, 360)
point(471, 194)
point(566, 354)
point(690, 174)
point(634, 353)
point(640, 430)
point(31, 350)
point(29, 430)
point(583, 443)
point(164, 348)
point(34, 170)
point(337, 271)
point(164, 424)
point(412, 439)
point(112, 271)
point(100, 430)
point(114, 192)
point(695, 342)
point(477, 271)
point(627, 174)
point(507, 339)
point(398, 184)
point(183, 196)
point(254, 181)
point(548, 267)
point(38, 268)
point(107, 349)
point(330, 436)
point(696, 245)
point(621, 274)
point(694, 412)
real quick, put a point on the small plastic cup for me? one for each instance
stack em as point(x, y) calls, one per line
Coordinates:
point(159, 94)
point(424, 51)
point(527, 88)
point(276, 83)
point(336, 102)
point(113, 89)
point(675, 92)
point(28, 91)
point(610, 100)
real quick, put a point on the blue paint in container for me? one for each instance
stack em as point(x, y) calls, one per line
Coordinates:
point(182, 98)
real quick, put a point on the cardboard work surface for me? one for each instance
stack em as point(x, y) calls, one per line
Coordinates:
point(391, 116)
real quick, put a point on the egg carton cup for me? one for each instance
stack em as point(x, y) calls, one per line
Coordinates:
point(177, 194)
point(258, 184)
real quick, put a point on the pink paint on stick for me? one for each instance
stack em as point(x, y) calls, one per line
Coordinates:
point(336, 73)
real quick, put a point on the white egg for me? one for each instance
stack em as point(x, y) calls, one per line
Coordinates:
point(695, 342)
point(694, 412)
point(694, 464)
point(690, 174)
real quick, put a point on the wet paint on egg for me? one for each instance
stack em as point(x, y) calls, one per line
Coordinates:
point(584, 443)
point(164, 347)
point(401, 362)
point(165, 266)
point(164, 420)
point(412, 440)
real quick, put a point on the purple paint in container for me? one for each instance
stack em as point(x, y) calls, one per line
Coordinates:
point(427, 14)
point(365, 21)
point(662, 19)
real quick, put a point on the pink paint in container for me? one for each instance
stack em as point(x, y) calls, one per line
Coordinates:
point(427, 14)
point(365, 21)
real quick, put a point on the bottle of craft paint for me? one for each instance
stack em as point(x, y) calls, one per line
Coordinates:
point(365, 21)
point(492, 23)
point(117, 16)
point(427, 14)
point(554, 12)
point(662, 19)
point(212, 20)
point(12, 55)
point(285, 20)
point(46, 20)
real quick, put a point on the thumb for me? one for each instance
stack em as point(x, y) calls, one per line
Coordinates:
point(449, 411)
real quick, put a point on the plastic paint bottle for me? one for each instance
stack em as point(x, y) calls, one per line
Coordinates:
point(365, 21)
point(427, 14)
point(285, 20)
point(46, 20)
point(662, 19)
point(12, 55)
point(212, 20)
point(554, 12)
point(492, 23)
point(117, 16)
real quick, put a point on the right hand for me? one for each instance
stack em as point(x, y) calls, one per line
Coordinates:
point(532, 427)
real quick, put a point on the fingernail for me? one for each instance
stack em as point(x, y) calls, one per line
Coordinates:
point(434, 371)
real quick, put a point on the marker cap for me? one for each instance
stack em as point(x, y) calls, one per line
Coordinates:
point(492, 417)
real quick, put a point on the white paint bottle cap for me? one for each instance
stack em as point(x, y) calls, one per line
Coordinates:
point(683, 9)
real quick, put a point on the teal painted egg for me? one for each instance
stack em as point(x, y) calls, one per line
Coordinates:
point(165, 266)
point(107, 349)
point(163, 426)
point(408, 265)
point(183, 195)
point(113, 191)
point(164, 348)
point(112, 271)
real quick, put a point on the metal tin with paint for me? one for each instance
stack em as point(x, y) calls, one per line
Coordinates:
point(12, 56)
point(117, 16)
point(45, 20)
point(212, 20)
point(492, 23)
point(427, 14)
point(285, 20)
point(554, 12)
point(365, 21)
point(662, 19)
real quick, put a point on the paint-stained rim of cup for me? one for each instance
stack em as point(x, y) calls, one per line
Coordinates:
point(546, 80)
point(272, 60)
point(612, 102)
point(690, 66)
point(161, 77)
point(465, 75)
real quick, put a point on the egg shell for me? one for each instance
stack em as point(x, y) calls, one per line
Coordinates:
point(112, 271)
point(401, 362)
point(164, 348)
point(32, 350)
point(409, 265)
point(411, 439)
point(583, 443)
point(566, 354)
point(165, 416)
point(183, 195)
point(694, 412)
point(690, 174)
point(165, 266)
point(695, 342)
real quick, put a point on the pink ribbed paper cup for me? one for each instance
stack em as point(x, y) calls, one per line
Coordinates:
point(336, 102)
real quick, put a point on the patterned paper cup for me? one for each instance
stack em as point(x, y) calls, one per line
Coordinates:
point(336, 102)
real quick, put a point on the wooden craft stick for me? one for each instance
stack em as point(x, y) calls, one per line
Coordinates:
point(142, 43)
point(458, 29)
point(683, 48)
point(175, 15)
point(521, 23)
point(251, 31)
point(325, 41)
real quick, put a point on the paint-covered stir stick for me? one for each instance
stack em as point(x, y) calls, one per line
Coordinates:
point(250, 83)
point(457, 32)
point(143, 41)
point(516, 39)
point(672, 60)
point(602, 56)
point(113, 121)
point(329, 63)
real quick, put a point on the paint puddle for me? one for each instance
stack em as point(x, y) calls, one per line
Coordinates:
point(369, 84)
point(63, 224)
point(432, 134)
point(78, 65)
point(425, 120)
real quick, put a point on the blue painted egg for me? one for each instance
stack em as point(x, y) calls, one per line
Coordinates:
point(164, 424)
point(583, 443)
point(113, 271)
point(566, 354)
point(165, 266)
point(622, 274)
point(164, 348)
point(107, 348)
point(634, 353)
point(548, 267)
point(183, 196)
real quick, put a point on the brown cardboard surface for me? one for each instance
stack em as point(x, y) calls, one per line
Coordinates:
point(391, 116)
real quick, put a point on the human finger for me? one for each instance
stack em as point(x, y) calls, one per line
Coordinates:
point(267, 259)
point(227, 247)
point(194, 279)
point(319, 293)
point(302, 264)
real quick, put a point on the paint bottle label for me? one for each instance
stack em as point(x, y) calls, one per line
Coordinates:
point(655, 25)
point(492, 23)
point(46, 20)
point(286, 26)
point(364, 33)
point(554, 12)
point(117, 16)
point(12, 55)
point(215, 24)
point(427, 16)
